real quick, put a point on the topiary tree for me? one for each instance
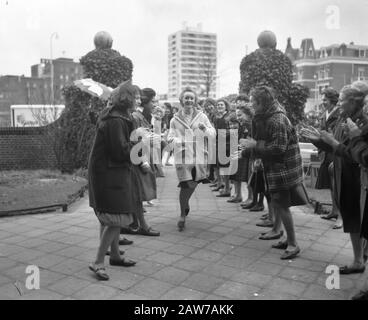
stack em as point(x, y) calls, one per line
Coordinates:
point(269, 66)
point(76, 130)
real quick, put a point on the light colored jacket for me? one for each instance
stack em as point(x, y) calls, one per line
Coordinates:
point(191, 144)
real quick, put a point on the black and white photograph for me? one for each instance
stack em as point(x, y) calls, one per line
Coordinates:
point(184, 155)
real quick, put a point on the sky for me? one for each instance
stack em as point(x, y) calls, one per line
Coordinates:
point(140, 30)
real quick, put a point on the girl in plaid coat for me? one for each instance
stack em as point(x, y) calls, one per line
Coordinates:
point(277, 145)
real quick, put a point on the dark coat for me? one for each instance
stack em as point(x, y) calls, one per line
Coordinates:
point(111, 184)
point(323, 179)
point(278, 147)
point(346, 180)
point(358, 150)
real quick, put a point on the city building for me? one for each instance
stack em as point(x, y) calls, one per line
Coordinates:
point(36, 90)
point(65, 71)
point(192, 59)
point(333, 66)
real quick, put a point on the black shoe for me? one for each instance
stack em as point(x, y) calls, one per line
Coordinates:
point(248, 206)
point(122, 263)
point(362, 295)
point(120, 251)
point(350, 270)
point(125, 242)
point(257, 208)
point(129, 230)
point(149, 232)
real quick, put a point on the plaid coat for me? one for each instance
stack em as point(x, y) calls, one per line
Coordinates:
point(278, 147)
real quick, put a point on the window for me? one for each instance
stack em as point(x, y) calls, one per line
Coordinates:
point(61, 77)
point(361, 53)
point(361, 74)
point(310, 52)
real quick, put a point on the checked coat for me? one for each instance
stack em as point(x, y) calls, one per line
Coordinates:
point(278, 147)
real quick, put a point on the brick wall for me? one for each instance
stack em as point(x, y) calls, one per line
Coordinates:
point(25, 148)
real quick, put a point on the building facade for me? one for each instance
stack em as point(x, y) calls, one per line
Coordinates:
point(333, 66)
point(192, 58)
point(36, 90)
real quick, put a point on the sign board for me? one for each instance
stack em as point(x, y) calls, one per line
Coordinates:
point(34, 115)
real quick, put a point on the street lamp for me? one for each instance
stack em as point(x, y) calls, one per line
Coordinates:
point(52, 66)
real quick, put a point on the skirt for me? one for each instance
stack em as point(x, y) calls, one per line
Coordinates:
point(323, 178)
point(242, 173)
point(114, 220)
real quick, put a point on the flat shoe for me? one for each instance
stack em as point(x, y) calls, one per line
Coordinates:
point(257, 208)
point(123, 263)
point(99, 272)
point(181, 225)
point(265, 217)
point(350, 270)
point(247, 206)
point(362, 295)
point(125, 242)
point(337, 226)
point(287, 255)
point(329, 217)
point(108, 253)
point(223, 195)
point(274, 237)
point(280, 245)
point(265, 224)
point(234, 200)
point(218, 188)
point(149, 232)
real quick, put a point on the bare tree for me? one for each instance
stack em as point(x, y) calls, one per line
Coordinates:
point(207, 72)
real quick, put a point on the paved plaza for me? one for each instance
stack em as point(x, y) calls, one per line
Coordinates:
point(218, 256)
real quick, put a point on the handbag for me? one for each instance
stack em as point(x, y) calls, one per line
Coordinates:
point(147, 183)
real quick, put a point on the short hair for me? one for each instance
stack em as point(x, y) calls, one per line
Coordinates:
point(242, 97)
point(353, 94)
point(188, 89)
point(264, 95)
point(361, 86)
point(247, 109)
point(208, 102)
point(331, 94)
point(147, 94)
point(227, 104)
point(168, 105)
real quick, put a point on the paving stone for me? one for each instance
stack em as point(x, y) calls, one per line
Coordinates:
point(69, 285)
point(70, 266)
point(151, 288)
point(171, 275)
point(299, 275)
point(252, 278)
point(219, 270)
point(317, 292)
point(164, 258)
point(234, 240)
point(180, 249)
point(191, 264)
point(237, 291)
point(203, 282)
point(95, 292)
point(207, 255)
point(287, 286)
point(183, 293)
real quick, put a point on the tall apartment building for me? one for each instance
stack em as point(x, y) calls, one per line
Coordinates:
point(192, 61)
point(333, 66)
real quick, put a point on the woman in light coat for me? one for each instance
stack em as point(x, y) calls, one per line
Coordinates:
point(191, 133)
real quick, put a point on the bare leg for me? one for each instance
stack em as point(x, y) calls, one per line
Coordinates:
point(357, 243)
point(287, 221)
point(226, 180)
point(115, 252)
point(237, 187)
point(108, 236)
point(184, 197)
